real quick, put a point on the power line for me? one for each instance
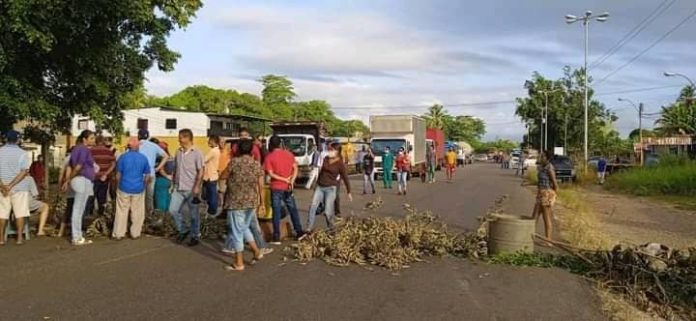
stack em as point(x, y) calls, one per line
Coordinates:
point(648, 48)
point(484, 103)
point(633, 33)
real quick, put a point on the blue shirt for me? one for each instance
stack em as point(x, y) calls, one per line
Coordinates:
point(151, 151)
point(602, 165)
point(133, 167)
point(12, 161)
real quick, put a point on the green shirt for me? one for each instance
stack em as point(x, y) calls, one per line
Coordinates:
point(388, 161)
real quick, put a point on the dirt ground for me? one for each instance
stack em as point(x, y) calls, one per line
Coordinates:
point(640, 220)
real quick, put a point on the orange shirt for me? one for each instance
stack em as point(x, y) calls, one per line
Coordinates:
point(224, 161)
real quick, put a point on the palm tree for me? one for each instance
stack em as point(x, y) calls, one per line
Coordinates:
point(435, 118)
point(677, 119)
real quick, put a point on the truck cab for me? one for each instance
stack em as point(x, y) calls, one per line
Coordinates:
point(299, 138)
point(378, 146)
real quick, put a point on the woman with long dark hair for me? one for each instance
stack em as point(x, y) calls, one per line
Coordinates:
point(81, 180)
point(327, 185)
point(547, 187)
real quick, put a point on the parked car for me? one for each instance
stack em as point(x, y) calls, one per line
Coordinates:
point(565, 169)
point(481, 158)
point(515, 159)
point(530, 162)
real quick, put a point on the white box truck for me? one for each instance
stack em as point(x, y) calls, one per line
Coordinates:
point(397, 131)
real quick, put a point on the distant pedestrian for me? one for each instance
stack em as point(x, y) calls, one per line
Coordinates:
point(282, 168)
point(81, 181)
point(107, 163)
point(133, 176)
point(188, 176)
point(547, 189)
point(403, 169)
point(451, 163)
point(163, 181)
point(332, 168)
point(37, 170)
point(387, 167)
point(521, 167)
point(601, 170)
point(361, 156)
point(431, 161)
point(14, 189)
point(211, 174)
point(368, 169)
point(247, 180)
point(151, 151)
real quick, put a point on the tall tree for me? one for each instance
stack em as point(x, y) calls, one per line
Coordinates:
point(565, 111)
point(59, 58)
point(435, 118)
point(679, 118)
point(277, 94)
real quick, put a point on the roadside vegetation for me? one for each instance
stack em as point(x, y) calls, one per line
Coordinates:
point(674, 176)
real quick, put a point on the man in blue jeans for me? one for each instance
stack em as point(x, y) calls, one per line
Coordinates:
point(280, 165)
point(188, 176)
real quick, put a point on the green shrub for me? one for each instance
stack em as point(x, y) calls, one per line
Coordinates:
point(674, 175)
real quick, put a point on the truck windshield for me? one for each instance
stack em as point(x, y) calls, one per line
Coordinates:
point(378, 145)
point(297, 145)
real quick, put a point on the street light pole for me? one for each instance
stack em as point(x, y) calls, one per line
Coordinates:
point(639, 109)
point(546, 115)
point(586, 23)
point(673, 74)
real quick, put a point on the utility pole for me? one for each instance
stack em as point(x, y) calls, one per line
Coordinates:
point(546, 122)
point(565, 138)
point(640, 132)
point(586, 24)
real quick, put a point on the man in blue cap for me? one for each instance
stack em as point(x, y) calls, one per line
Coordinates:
point(14, 189)
point(151, 152)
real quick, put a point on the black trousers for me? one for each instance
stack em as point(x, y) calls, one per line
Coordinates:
point(101, 190)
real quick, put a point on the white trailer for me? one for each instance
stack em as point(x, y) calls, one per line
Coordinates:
point(395, 132)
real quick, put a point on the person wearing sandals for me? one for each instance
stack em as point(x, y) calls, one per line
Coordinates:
point(546, 194)
point(246, 179)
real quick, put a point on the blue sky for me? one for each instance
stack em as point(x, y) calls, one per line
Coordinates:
point(390, 57)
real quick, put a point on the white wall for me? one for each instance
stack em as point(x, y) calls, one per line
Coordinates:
point(197, 122)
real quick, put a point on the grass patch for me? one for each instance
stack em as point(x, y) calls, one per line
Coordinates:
point(674, 176)
point(542, 260)
point(617, 308)
point(580, 226)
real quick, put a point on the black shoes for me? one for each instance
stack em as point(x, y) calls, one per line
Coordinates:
point(193, 242)
point(181, 238)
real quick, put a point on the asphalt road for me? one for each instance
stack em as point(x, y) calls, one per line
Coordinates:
point(154, 279)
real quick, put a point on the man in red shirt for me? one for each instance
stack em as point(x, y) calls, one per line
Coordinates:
point(106, 161)
point(280, 165)
point(37, 171)
point(255, 151)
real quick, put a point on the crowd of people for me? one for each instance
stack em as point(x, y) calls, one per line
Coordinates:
point(231, 180)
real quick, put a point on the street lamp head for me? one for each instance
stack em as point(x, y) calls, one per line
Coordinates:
point(621, 99)
point(604, 15)
point(570, 18)
point(669, 74)
point(588, 13)
point(602, 19)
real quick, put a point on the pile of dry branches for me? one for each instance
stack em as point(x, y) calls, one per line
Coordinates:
point(156, 224)
point(388, 242)
point(655, 278)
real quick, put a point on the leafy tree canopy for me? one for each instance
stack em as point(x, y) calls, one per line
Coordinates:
point(59, 58)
